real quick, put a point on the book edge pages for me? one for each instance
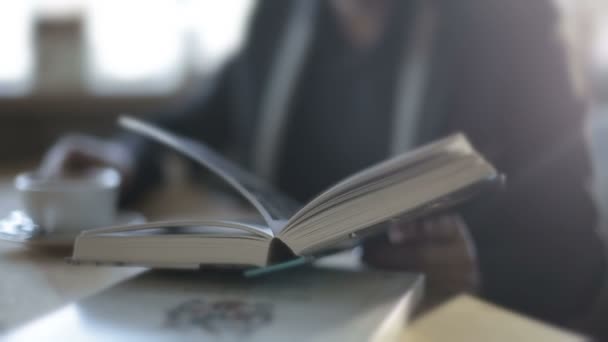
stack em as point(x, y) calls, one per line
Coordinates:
point(456, 141)
point(77, 257)
point(440, 203)
point(250, 228)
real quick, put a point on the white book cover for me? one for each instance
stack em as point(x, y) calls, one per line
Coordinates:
point(322, 303)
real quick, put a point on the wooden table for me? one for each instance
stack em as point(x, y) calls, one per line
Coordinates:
point(35, 282)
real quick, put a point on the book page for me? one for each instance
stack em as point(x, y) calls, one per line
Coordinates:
point(275, 207)
point(452, 147)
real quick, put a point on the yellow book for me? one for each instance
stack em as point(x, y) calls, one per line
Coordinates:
point(468, 319)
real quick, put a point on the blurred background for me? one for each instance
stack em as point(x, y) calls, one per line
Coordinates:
point(585, 32)
point(73, 65)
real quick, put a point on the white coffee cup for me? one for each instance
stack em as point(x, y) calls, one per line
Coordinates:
point(71, 202)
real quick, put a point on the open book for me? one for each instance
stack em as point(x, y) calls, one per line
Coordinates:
point(432, 177)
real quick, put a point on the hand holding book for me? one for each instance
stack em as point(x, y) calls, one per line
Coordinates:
point(415, 184)
point(438, 246)
point(77, 152)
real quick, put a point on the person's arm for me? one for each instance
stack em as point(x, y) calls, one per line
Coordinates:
point(536, 240)
point(212, 116)
point(235, 91)
point(206, 116)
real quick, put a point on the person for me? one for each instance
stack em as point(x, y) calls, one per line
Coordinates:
point(321, 89)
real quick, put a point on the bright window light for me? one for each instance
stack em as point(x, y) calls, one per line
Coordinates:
point(218, 27)
point(600, 49)
point(134, 46)
point(59, 9)
point(16, 41)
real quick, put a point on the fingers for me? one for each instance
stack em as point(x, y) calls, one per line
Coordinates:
point(444, 227)
point(419, 255)
point(54, 161)
point(400, 232)
point(441, 241)
point(439, 247)
point(383, 254)
point(441, 228)
point(80, 152)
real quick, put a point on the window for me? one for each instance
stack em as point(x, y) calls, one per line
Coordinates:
point(217, 27)
point(16, 57)
point(600, 52)
point(134, 47)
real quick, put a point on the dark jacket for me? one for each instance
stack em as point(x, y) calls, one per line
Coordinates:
point(498, 74)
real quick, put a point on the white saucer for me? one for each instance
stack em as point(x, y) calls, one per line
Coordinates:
point(18, 227)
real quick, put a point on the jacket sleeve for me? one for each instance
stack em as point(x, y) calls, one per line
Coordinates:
point(538, 248)
point(211, 114)
point(205, 116)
